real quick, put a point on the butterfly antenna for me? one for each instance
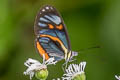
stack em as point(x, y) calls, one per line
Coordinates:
point(82, 50)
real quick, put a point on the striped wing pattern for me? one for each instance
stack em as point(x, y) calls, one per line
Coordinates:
point(51, 35)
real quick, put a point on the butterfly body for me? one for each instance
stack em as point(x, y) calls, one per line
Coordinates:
point(51, 35)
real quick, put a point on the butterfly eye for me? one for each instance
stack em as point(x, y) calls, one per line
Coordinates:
point(60, 27)
point(50, 26)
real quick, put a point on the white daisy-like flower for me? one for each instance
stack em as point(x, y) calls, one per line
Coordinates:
point(117, 77)
point(34, 65)
point(73, 70)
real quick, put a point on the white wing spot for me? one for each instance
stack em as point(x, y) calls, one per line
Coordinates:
point(43, 10)
point(47, 7)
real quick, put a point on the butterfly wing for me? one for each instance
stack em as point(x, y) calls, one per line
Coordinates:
point(51, 34)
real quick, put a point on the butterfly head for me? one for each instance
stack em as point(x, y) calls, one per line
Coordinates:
point(74, 54)
point(70, 56)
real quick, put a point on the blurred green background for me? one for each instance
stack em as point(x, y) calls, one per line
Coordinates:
point(89, 23)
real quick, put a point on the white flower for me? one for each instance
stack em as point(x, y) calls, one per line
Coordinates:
point(34, 65)
point(117, 77)
point(74, 70)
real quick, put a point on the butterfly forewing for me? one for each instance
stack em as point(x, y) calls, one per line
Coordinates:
point(50, 33)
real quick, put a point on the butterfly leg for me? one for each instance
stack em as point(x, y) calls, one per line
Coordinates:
point(64, 66)
point(72, 60)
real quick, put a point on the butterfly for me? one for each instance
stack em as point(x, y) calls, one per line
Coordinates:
point(51, 35)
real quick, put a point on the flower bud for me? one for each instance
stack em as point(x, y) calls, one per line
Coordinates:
point(80, 77)
point(41, 74)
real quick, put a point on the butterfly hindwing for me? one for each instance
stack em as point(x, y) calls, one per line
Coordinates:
point(51, 48)
point(50, 33)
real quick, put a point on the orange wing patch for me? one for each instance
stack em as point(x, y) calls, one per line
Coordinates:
point(50, 26)
point(42, 51)
point(51, 37)
point(60, 27)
